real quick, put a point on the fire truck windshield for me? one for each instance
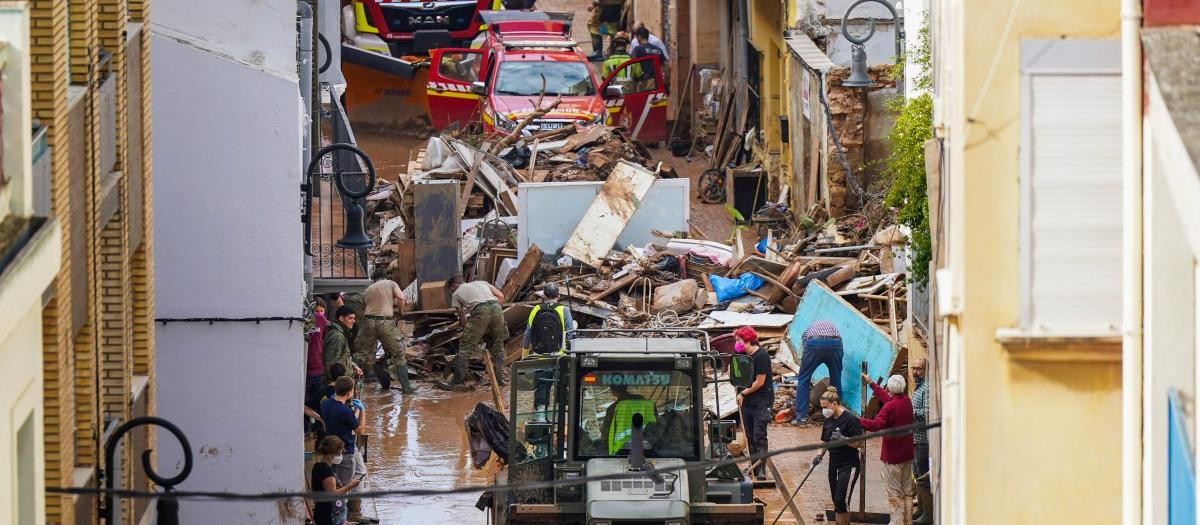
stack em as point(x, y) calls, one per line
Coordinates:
point(562, 78)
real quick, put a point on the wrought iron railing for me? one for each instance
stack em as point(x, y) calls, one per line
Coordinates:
point(328, 207)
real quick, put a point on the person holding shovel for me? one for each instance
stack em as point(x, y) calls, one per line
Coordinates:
point(755, 401)
point(840, 423)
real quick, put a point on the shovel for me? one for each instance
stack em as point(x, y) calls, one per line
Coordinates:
point(797, 491)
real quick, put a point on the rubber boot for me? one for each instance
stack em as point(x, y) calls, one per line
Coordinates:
point(405, 383)
point(597, 49)
point(842, 518)
point(354, 511)
point(925, 497)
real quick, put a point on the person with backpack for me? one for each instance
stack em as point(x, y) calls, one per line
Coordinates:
point(545, 336)
point(545, 332)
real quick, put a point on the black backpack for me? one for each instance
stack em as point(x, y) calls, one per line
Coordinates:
point(546, 334)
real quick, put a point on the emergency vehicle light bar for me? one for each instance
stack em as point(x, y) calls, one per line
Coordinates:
point(554, 44)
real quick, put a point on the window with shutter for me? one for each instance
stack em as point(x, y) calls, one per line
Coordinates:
point(1070, 187)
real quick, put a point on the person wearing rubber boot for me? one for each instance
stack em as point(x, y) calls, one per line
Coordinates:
point(840, 423)
point(604, 20)
point(383, 299)
point(920, 402)
point(480, 315)
point(546, 337)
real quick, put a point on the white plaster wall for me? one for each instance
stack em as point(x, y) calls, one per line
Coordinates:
point(881, 48)
point(227, 145)
point(257, 32)
point(1170, 320)
point(21, 392)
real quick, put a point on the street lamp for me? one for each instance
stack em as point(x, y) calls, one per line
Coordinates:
point(858, 55)
point(354, 236)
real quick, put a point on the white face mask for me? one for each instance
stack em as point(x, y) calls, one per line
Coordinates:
point(827, 412)
point(337, 459)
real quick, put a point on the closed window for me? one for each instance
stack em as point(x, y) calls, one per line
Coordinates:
point(1070, 186)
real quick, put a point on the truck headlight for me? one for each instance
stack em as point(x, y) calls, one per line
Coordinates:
point(503, 122)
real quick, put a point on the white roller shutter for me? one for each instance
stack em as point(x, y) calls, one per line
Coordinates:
point(1073, 235)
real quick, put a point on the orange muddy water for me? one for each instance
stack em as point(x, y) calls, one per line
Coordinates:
point(418, 441)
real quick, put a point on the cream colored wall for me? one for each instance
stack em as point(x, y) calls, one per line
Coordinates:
point(1023, 442)
point(20, 397)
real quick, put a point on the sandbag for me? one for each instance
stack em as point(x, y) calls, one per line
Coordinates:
point(678, 297)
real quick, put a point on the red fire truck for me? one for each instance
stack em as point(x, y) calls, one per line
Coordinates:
point(402, 28)
point(524, 54)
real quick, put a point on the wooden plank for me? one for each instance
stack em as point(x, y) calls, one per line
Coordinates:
point(785, 492)
point(619, 198)
point(524, 271)
point(616, 285)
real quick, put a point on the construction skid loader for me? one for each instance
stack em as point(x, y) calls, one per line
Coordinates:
point(621, 404)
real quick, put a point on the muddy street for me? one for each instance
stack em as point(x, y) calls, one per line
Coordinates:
point(418, 441)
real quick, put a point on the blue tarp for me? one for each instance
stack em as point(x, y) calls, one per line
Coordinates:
point(862, 340)
point(730, 289)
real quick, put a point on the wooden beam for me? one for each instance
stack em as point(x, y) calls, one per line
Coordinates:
point(523, 272)
point(785, 492)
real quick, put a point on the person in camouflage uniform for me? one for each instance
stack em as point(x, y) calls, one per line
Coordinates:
point(337, 341)
point(480, 315)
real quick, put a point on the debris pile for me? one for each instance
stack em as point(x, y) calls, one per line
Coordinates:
point(457, 209)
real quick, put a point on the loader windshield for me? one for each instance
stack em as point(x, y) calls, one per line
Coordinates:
point(609, 399)
point(562, 78)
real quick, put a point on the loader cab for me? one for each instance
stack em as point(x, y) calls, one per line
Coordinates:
point(620, 406)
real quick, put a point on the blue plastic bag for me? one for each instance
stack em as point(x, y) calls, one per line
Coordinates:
point(730, 289)
point(761, 246)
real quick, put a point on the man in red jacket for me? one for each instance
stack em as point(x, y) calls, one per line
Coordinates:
point(897, 451)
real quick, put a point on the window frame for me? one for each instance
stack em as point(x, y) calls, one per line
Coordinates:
point(1048, 57)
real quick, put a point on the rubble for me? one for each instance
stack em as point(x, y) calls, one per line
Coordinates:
point(766, 279)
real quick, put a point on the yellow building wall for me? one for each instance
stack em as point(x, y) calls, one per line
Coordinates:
point(1033, 441)
point(767, 23)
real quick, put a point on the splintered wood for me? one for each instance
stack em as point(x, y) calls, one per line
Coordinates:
point(619, 198)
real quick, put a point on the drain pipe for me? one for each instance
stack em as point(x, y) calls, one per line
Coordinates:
point(1131, 263)
point(304, 67)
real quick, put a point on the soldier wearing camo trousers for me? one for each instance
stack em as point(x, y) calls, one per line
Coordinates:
point(482, 319)
point(383, 299)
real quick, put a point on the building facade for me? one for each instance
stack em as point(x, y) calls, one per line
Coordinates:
point(1162, 246)
point(91, 165)
point(1026, 211)
point(30, 250)
point(228, 126)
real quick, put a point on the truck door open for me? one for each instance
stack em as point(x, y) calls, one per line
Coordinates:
point(451, 73)
point(643, 108)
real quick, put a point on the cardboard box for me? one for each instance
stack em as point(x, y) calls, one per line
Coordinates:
point(433, 296)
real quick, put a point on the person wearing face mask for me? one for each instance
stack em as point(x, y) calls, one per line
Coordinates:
point(840, 423)
point(322, 479)
point(897, 450)
point(756, 400)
